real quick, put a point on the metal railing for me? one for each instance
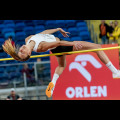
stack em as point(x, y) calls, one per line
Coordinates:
point(40, 78)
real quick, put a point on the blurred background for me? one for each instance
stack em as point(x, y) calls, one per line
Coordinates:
point(30, 79)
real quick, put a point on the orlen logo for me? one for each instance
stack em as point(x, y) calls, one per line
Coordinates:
point(85, 91)
point(80, 67)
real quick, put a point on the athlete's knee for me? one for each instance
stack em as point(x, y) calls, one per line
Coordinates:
point(62, 66)
point(99, 46)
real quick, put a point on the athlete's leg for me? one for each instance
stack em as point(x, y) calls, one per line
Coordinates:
point(87, 46)
point(61, 66)
point(101, 54)
point(59, 70)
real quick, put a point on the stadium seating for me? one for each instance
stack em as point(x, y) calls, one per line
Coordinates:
point(12, 34)
point(49, 24)
point(70, 23)
point(2, 26)
point(39, 28)
point(20, 36)
point(73, 31)
point(8, 21)
point(76, 38)
point(1, 21)
point(60, 23)
point(18, 21)
point(10, 25)
point(29, 30)
point(38, 22)
point(80, 29)
point(19, 26)
point(29, 22)
point(6, 30)
point(85, 35)
point(2, 41)
point(81, 24)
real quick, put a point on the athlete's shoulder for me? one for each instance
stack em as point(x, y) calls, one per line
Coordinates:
point(26, 39)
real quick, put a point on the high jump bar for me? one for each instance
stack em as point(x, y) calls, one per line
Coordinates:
point(64, 53)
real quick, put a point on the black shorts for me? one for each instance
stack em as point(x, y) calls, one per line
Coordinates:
point(61, 49)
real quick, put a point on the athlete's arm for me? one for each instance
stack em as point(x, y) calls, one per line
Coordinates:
point(48, 45)
point(51, 31)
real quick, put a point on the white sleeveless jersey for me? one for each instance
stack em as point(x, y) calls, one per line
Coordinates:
point(38, 38)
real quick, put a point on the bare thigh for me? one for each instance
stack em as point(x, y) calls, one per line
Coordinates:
point(88, 45)
point(62, 61)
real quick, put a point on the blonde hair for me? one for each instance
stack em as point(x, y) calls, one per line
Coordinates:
point(12, 50)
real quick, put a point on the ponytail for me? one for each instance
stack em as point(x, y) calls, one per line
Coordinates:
point(12, 50)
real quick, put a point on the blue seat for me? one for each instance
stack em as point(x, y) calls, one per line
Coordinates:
point(29, 30)
point(60, 23)
point(38, 22)
point(20, 36)
point(1, 76)
point(91, 41)
point(73, 31)
point(2, 62)
point(80, 29)
point(19, 26)
point(2, 40)
point(79, 21)
point(8, 34)
point(8, 21)
point(66, 39)
point(2, 69)
point(78, 38)
point(32, 60)
point(12, 75)
point(6, 30)
point(50, 24)
point(18, 21)
point(2, 26)
point(1, 35)
point(70, 23)
point(45, 58)
point(81, 24)
point(10, 61)
point(11, 68)
point(39, 28)
point(85, 35)
point(29, 23)
point(1, 21)
point(60, 35)
point(22, 42)
point(10, 26)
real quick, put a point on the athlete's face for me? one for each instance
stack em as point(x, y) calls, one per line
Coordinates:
point(24, 51)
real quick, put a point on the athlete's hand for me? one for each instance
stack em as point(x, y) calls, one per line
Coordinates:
point(63, 32)
point(77, 45)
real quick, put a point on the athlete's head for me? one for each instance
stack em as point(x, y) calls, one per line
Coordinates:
point(24, 52)
point(18, 53)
